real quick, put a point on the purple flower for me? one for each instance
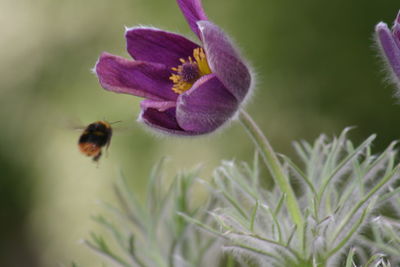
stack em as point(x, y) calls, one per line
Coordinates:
point(389, 42)
point(189, 88)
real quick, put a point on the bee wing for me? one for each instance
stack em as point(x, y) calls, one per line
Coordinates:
point(72, 124)
point(121, 126)
point(122, 130)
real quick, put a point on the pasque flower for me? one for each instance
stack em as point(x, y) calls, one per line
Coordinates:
point(389, 41)
point(189, 88)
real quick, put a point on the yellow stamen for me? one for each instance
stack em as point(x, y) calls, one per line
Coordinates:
point(201, 60)
point(182, 83)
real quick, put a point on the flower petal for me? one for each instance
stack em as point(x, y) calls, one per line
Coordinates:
point(396, 30)
point(158, 105)
point(143, 79)
point(154, 45)
point(224, 60)
point(389, 48)
point(164, 122)
point(193, 11)
point(206, 106)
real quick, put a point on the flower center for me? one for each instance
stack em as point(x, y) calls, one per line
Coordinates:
point(190, 71)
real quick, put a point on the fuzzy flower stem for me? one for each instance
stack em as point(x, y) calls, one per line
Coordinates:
point(275, 168)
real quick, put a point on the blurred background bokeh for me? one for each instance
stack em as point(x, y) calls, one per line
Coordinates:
point(317, 69)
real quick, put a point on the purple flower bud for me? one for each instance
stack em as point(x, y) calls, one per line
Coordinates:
point(189, 89)
point(389, 42)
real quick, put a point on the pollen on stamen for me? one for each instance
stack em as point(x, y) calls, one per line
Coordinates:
point(201, 60)
point(189, 71)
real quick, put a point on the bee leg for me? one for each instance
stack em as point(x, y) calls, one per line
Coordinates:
point(97, 157)
point(108, 144)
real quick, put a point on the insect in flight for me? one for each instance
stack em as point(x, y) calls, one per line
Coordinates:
point(95, 136)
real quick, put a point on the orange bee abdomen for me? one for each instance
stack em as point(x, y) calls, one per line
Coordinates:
point(89, 149)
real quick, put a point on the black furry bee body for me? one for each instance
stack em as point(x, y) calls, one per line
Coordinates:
point(95, 136)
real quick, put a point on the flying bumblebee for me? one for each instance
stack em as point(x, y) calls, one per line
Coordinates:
point(95, 136)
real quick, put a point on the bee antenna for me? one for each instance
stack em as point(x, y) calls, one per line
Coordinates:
point(115, 122)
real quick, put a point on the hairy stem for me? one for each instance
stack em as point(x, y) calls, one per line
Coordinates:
point(275, 168)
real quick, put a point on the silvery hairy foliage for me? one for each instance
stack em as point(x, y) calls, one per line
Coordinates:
point(383, 237)
point(340, 189)
point(153, 234)
point(349, 199)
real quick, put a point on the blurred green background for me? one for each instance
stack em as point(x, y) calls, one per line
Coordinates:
point(317, 69)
